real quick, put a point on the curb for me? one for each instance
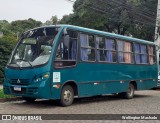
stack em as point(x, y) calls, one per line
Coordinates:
point(10, 99)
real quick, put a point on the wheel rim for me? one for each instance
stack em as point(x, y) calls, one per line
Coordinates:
point(130, 91)
point(67, 96)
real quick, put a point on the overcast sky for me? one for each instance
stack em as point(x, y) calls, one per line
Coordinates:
point(41, 10)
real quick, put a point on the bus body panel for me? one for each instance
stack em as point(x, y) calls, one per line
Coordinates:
point(96, 79)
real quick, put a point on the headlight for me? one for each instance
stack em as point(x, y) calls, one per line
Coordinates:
point(41, 77)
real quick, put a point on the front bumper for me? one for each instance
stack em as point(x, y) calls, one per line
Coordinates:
point(36, 90)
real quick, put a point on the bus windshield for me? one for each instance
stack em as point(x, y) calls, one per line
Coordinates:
point(34, 48)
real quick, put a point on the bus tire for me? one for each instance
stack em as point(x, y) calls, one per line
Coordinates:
point(29, 99)
point(67, 96)
point(130, 92)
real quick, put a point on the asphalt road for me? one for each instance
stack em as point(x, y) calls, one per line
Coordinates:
point(144, 102)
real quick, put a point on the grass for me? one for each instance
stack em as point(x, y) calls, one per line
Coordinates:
point(2, 95)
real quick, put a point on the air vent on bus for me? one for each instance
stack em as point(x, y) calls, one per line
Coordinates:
point(32, 91)
point(19, 81)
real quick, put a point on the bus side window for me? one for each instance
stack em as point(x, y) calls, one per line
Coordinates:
point(141, 56)
point(110, 47)
point(124, 52)
point(144, 56)
point(137, 53)
point(66, 53)
point(106, 49)
point(151, 55)
point(87, 47)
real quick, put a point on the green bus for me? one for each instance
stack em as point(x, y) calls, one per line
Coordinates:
point(61, 62)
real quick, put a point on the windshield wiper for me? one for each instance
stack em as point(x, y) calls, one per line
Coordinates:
point(25, 61)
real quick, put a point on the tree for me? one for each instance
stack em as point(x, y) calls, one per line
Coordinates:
point(125, 17)
point(53, 21)
point(144, 24)
point(5, 27)
point(6, 46)
point(65, 19)
point(8, 41)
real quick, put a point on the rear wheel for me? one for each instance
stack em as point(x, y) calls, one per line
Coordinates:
point(130, 92)
point(67, 96)
point(29, 99)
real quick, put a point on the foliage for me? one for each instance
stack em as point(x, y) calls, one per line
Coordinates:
point(126, 17)
point(11, 32)
point(5, 27)
point(6, 45)
point(19, 26)
point(52, 21)
point(65, 19)
point(2, 95)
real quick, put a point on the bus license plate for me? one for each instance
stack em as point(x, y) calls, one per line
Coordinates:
point(17, 88)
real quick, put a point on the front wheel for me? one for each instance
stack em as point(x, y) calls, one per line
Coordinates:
point(29, 99)
point(67, 96)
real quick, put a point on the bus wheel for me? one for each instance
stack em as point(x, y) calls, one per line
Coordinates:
point(67, 96)
point(29, 99)
point(130, 92)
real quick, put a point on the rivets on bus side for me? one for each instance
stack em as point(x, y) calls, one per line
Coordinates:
point(121, 81)
point(96, 83)
point(141, 80)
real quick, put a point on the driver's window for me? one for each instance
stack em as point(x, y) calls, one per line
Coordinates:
point(66, 53)
point(19, 53)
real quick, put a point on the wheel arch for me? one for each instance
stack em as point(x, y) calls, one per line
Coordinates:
point(134, 84)
point(73, 84)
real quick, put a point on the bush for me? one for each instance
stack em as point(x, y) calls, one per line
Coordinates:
point(2, 95)
point(1, 77)
point(6, 45)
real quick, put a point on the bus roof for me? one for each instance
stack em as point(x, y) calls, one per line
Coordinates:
point(112, 35)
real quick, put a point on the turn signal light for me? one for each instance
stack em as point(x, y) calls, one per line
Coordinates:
point(58, 86)
point(46, 75)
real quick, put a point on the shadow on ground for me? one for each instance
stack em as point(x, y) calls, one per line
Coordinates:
point(78, 101)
